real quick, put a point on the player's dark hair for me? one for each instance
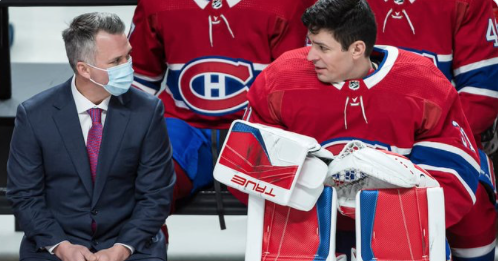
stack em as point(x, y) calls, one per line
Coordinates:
point(347, 20)
point(79, 38)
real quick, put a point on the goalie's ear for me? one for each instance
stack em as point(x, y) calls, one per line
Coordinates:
point(357, 49)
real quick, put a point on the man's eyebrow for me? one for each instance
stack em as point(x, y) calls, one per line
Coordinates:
point(319, 43)
point(118, 57)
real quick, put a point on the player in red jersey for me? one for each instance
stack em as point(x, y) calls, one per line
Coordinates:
point(461, 38)
point(208, 52)
point(343, 88)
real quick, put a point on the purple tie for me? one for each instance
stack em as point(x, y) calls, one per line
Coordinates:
point(93, 145)
point(93, 140)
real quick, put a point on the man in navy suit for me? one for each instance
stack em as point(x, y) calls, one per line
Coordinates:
point(90, 175)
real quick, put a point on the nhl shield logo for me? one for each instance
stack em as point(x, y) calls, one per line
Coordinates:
point(354, 85)
point(217, 4)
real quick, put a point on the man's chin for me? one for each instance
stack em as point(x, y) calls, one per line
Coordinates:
point(322, 78)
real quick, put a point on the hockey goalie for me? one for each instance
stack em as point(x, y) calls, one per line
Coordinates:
point(296, 187)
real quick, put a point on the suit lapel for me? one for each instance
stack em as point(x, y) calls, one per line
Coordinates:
point(67, 122)
point(115, 126)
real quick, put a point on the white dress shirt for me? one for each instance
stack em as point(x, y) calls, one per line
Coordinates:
point(82, 106)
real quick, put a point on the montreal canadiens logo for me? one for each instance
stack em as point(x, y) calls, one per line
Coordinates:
point(215, 86)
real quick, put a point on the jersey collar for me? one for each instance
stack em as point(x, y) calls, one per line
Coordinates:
point(388, 55)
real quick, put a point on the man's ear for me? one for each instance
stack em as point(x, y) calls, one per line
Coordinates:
point(357, 49)
point(83, 69)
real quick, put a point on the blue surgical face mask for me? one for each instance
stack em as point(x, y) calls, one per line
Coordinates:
point(120, 78)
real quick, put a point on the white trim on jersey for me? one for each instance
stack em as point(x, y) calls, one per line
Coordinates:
point(338, 85)
point(232, 3)
point(451, 149)
point(144, 88)
point(179, 66)
point(202, 3)
point(371, 80)
point(148, 78)
point(175, 66)
point(479, 91)
point(473, 252)
point(401, 151)
point(454, 173)
point(178, 103)
point(445, 57)
point(392, 54)
point(259, 66)
point(476, 65)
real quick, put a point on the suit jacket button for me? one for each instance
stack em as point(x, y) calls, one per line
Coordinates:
point(94, 212)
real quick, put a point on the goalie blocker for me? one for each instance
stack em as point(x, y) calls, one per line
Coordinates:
point(276, 165)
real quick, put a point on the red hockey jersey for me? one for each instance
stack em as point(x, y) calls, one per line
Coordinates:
point(459, 36)
point(211, 51)
point(393, 108)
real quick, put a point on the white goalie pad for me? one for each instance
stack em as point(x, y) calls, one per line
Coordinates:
point(276, 232)
point(359, 167)
point(273, 164)
point(400, 224)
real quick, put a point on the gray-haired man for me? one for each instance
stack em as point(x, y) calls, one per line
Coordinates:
point(90, 171)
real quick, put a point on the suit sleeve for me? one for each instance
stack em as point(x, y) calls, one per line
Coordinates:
point(444, 148)
point(476, 64)
point(153, 185)
point(26, 185)
point(148, 50)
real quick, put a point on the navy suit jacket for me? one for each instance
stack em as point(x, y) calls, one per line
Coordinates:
point(49, 179)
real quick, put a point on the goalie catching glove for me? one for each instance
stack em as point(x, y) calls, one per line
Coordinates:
point(359, 167)
point(277, 165)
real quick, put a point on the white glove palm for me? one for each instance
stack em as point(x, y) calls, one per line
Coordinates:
point(359, 167)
